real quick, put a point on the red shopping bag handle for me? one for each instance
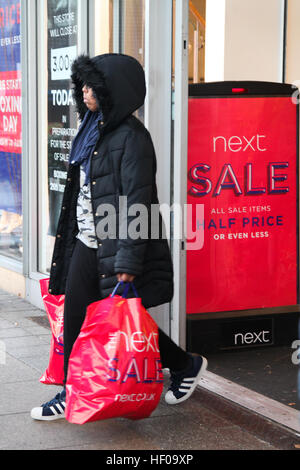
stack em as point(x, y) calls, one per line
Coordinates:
point(126, 289)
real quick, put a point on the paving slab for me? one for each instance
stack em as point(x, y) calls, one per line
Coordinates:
point(39, 361)
point(6, 324)
point(13, 332)
point(18, 314)
point(28, 324)
point(15, 372)
point(27, 350)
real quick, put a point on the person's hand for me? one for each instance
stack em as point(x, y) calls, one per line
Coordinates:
point(125, 277)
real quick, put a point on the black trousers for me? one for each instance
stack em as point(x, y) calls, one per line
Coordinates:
point(82, 289)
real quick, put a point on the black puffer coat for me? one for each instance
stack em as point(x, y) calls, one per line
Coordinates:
point(123, 163)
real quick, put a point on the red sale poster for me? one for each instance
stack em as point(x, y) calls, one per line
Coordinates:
point(242, 167)
point(10, 109)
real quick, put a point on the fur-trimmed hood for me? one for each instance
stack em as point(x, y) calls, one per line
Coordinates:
point(118, 82)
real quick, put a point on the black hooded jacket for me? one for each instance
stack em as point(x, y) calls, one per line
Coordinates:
point(123, 163)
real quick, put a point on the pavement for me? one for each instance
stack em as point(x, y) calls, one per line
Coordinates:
point(209, 420)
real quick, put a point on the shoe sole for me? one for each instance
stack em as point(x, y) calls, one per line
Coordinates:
point(46, 418)
point(189, 393)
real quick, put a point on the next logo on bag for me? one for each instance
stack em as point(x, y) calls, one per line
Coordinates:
point(134, 342)
point(136, 397)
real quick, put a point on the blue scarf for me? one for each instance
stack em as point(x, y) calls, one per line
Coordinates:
point(85, 141)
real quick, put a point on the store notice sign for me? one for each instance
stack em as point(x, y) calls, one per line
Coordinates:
point(61, 62)
point(62, 117)
point(242, 166)
point(246, 333)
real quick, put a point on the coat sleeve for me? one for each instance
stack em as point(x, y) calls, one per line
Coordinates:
point(137, 178)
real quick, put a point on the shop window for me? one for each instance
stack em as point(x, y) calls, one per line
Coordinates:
point(132, 34)
point(132, 28)
point(196, 43)
point(57, 115)
point(120, 27)
point(10, 130)
point(105, 11)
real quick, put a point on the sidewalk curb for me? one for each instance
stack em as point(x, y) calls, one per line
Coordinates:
point(257, 420)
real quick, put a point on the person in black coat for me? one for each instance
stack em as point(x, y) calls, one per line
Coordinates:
point(112, 168)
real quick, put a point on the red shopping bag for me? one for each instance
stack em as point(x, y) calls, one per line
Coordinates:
point(114, 368)
point(54, 304)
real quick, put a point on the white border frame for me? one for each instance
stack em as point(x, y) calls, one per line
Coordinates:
point(178, 322)
point(29, 135)
point(158, 106)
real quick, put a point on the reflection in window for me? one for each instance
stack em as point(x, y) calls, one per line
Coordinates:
point(105, 12)
point(196, 40)
point(120, 27)
point(196, 45)
point(132, 28)
point(132, 34)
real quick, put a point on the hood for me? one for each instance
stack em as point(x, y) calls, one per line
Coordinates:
point(118, 82)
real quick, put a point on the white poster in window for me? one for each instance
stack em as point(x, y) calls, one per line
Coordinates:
point(61, 62)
